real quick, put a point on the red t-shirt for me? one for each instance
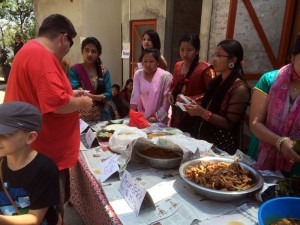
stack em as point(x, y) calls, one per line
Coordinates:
point(37, 77)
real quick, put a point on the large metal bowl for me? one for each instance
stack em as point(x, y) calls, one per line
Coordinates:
point(170, 163)
point(221, 195)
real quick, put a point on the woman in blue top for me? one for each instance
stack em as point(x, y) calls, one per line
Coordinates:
point(93, 77)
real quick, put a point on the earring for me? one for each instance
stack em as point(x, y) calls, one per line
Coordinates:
point(231, 65)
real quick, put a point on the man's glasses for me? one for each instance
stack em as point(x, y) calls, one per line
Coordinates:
point(69, 38)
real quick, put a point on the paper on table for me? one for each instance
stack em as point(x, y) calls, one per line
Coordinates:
point(109, 167)
point(242, 215)
point(83, 125)
point(132, 191)
point(90, 137)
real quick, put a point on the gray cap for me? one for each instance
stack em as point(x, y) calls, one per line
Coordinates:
point(19, 115)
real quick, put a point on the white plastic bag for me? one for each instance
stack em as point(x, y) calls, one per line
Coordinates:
point(124, 136)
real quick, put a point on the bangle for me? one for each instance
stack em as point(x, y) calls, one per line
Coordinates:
point(207, 115)
point(280, 141)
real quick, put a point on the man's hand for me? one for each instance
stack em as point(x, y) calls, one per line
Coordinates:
point(86, 103)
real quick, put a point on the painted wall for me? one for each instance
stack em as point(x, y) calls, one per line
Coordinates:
point(98, 18)
point(142, 10)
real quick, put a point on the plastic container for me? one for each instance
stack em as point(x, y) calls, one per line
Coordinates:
point(278, 208)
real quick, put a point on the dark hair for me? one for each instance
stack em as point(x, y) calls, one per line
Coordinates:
point(296, 48)
point(94, 41)
point(153, 51)
point(154, 39)
point(116, 86)
point(216, 91)
point(127, 82)
point(55, 24)
point(194, 40)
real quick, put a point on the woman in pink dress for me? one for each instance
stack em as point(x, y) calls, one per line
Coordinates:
point(151, 85)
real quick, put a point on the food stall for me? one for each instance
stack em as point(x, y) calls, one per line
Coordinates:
point(168, 197)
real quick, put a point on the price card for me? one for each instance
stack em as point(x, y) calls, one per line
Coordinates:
point(90, 137)
point(83, 125)
point(109, 167)
point(132, 192)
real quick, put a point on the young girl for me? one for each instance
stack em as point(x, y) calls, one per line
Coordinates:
point(152, 40)
point(150, 88)
point(190, 78)
point(94, 78)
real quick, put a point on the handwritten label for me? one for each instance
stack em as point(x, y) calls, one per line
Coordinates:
point(83, 125)
point(132, 192)
point(109, 167)
point(90, 137)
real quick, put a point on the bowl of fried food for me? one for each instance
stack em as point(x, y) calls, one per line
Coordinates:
point(160, 158)
point(280, 211)
point(221, 179)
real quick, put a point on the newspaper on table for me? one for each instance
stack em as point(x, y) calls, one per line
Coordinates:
point(175, 202)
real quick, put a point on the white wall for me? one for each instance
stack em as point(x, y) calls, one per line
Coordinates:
point(98, 18)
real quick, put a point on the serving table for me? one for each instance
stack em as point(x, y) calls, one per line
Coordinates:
point(175, 201)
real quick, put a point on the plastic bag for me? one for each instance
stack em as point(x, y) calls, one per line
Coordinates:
point(137, 120)
point(124, 136)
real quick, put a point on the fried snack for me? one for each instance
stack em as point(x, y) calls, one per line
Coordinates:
point(223, 176)
point(287, 221)
point(152, 135)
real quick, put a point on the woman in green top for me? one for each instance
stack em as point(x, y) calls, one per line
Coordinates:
point(275, 117)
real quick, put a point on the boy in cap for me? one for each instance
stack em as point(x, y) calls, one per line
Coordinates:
point(30, 178)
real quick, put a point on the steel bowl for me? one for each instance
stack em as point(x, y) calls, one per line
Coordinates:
point(170, 163)
point(217, 194)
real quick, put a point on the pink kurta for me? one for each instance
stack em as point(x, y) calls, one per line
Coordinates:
point(151, 97)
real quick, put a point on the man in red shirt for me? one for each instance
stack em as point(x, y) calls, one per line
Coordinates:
point(37, 77)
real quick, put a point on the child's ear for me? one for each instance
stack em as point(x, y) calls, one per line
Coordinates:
point(32, 135)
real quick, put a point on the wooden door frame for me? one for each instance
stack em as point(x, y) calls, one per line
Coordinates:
point(133, 32)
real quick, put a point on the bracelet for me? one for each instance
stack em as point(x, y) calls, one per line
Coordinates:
point(280, 141)
point(207, 115)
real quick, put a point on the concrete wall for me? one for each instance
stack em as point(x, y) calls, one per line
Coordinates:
point(109, 21)
point(270, 14)
point(142, 10)
point(98, 18)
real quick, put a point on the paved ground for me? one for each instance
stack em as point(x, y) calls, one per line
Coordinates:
point(71, 215)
